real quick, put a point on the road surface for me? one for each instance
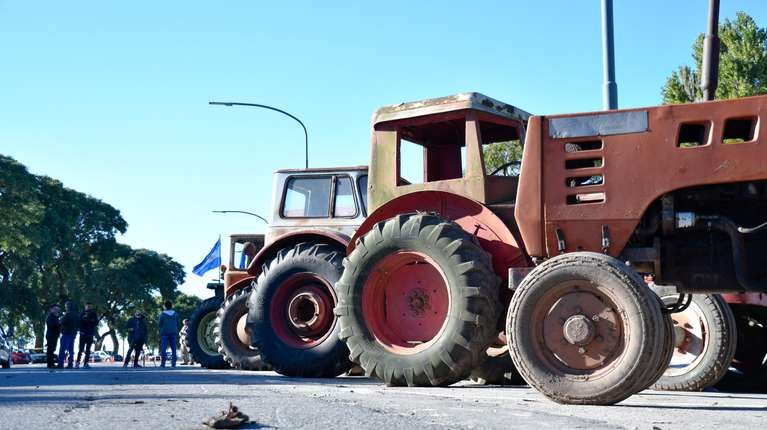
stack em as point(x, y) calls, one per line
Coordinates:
point(108, 396)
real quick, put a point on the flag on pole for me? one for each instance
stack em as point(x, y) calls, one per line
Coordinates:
point(211, 261)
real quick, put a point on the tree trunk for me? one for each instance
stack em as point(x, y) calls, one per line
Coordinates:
point(39, 328)
point(115, 344)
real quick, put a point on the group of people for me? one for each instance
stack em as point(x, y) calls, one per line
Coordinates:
point(67, 326)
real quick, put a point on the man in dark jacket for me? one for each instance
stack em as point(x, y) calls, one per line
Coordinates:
point(88, 323)
point(138, 330)
point(52, 332)
point(68, 333)
point(168, 324)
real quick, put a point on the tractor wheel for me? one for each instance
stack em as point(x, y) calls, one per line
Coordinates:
point(232, 339)
point(585, 329)
point(291, 316)
point(201, 339)
point(498, 369)
point(704, 343)
point(752, 347)
point(666, 345)
point(418, 302)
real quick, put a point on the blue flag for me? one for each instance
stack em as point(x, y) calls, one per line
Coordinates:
point(211, 261)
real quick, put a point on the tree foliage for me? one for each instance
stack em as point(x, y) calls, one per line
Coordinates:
point(503, 154)
point(742, 64)
point(59, 244)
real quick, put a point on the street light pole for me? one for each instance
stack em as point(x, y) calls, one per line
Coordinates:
point(306, 134)
point(243, 212)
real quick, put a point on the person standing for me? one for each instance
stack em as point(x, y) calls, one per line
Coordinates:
point(68, 333)
point(52, 332)
point(168, 324)
point(186, 357)
point(138, 331)
point(88, 322)
point(130, 327)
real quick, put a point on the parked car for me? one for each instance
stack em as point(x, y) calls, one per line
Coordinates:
point(20, 357)
point(37, 356)
point(98, 356)
point(6, 351)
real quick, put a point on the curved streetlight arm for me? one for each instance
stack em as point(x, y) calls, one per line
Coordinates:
point(306, 134)
point(243, 212)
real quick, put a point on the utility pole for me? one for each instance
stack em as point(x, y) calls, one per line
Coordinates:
point(610, 90)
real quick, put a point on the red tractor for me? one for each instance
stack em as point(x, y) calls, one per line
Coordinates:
point(678, 191)
point(286, 320)
point(279, 297)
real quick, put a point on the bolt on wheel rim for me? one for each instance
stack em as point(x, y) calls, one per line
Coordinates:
point(581, 328)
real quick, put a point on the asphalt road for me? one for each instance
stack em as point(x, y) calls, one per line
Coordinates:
point(107, 396)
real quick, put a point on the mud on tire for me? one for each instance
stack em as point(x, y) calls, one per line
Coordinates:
point(200, 337)
point(299, 280)
point(586, 330)
point(237, 354)
point(466, 305)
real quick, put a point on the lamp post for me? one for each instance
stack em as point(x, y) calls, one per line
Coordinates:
point(243, 212)
point(306, 134)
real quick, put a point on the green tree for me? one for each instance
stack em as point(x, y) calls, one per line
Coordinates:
point(502, 154)
point(57, 244)
point(742, 65)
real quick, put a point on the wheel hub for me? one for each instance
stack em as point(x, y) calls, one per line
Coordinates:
point(579, 330)
point(418, 302)
point(307, 313)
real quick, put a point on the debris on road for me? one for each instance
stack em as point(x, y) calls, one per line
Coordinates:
point(230, 419)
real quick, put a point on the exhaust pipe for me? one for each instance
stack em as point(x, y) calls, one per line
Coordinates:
point(709, 78)
point(610, 90)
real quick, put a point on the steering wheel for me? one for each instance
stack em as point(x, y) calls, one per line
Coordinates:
point(505, 165)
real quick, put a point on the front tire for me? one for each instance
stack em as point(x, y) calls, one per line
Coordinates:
point(200, 338)
point(230, 319)
point(291, 316)
point(418, 302)
point(704, 344)
point(586, 329)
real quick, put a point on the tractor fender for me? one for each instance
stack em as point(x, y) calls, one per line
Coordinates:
point(293, 238)
point(493, 234)
point(235, 280)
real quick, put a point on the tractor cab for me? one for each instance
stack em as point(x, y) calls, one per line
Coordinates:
point(457, 144)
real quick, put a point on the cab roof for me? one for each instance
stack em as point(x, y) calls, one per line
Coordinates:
point(325, 170)
point(475, 101)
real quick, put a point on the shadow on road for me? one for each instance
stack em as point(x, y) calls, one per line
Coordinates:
point(114, 375)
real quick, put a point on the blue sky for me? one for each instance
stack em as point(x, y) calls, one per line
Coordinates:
point(111, 97)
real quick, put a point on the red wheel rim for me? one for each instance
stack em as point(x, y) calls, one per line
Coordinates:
point(405, 302)
point(301, 311)
point(581, 329)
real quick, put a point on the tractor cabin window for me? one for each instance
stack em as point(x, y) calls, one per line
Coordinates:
point(431, 152)
point(501, 148)
point(307, 198)
point(344, 205)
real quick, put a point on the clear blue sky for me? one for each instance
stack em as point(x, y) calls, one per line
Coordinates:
point(111, 97)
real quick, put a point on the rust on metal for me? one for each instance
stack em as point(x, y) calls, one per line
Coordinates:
point(630, 174)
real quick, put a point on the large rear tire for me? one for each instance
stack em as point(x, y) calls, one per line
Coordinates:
point(201, 339)
point(705, 338)
point(586, 329)
point(418, 302)
point(230, 328)
point(290, 315)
